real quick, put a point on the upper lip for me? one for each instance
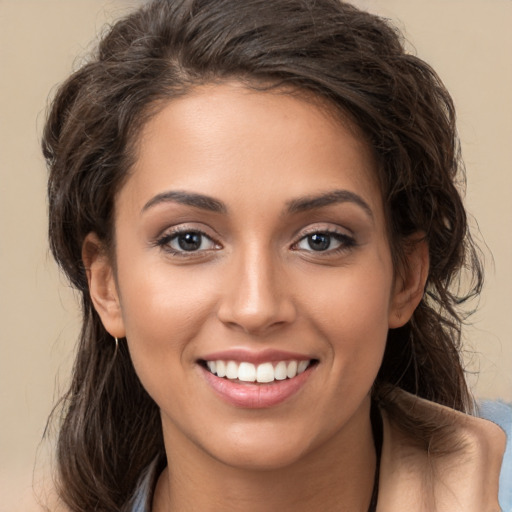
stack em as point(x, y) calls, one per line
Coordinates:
point(255, 357)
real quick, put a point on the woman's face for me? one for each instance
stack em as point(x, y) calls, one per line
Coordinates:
point(251, 239)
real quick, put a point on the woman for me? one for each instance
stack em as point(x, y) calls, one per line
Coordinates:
point(258, 203)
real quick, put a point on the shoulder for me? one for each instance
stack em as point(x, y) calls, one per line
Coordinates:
point(455, 468)
point(501, 414)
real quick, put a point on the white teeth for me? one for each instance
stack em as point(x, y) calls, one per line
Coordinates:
point(232, 370)
point(264, 372)
point(247, 372)
point(221, 368)
point(280, 372)
point(302, 366)
point(291, 371)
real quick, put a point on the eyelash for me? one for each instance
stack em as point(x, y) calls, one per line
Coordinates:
point(347, 242)
point(165, 240)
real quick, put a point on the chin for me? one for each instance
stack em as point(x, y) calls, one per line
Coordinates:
point(262, 447)
point(261, 458)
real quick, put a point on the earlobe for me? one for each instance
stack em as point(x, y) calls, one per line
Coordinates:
point(102, 285)
point(410, 282)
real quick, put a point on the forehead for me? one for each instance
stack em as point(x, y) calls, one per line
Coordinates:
point(225, 139)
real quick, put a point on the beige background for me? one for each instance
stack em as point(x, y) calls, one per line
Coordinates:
point(468, 42)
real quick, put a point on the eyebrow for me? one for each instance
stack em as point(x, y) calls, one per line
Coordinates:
point(298, 205)
point(326, 199)
point(187, 198)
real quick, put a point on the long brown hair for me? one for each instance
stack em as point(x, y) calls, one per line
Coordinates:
point(356, 61)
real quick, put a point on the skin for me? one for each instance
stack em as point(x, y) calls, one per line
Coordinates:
point(255, 283)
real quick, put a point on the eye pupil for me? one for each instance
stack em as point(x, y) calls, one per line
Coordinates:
point(319, 241)
point(189, 241)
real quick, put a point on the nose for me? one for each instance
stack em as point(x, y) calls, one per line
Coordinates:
point(256, 297)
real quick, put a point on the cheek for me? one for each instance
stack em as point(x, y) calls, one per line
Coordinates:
point(354, 323)
point(351, 310)
point(163, 310)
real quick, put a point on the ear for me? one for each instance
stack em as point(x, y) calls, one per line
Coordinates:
point(410, 281)
point(102, 285)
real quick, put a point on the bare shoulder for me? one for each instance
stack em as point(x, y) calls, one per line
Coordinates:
point(446, 460)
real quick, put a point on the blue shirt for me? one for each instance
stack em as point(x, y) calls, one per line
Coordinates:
point(501, 414)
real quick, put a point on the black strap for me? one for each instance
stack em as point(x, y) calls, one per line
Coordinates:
point(376, 420)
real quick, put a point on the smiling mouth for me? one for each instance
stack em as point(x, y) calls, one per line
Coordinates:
point(259, 373)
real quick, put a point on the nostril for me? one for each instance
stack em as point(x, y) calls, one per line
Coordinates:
point(257, 319)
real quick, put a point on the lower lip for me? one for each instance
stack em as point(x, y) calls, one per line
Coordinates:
point(256, 396)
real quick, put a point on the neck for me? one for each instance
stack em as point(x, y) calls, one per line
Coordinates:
point(336, 476)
